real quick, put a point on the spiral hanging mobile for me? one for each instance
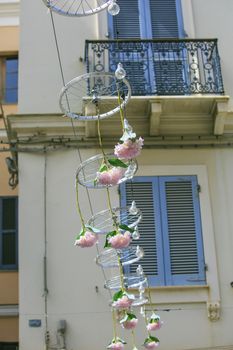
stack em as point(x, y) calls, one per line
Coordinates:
point(94, 97)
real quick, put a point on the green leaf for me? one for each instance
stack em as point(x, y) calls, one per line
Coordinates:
point(95, 182)
point(126, 228)
point(127, 317)
point(150, 339)
point(131, 316)
point(110, 234)
point(118, 295)
point(116, 340)
point(153, 320)
point(117, 162)
point(103, 168)
point(81, 233)
point(107, 244)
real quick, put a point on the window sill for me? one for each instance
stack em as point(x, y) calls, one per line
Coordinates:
point(187, 295)
point(180, 294)
point(13, 104)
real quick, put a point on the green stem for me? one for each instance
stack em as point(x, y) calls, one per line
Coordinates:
point(133, 339)
point(106, 162)
point(107, 189)
point(145, 318)
point(100, 141)
point(121, 111)
point(78, 205)
point(121, 274)
point(114, 325)
point(149, 297)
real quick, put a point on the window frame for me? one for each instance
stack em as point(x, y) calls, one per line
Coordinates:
point(210, 291)
point(165, 277)
point(145, 20)
point(3, 59)
point(9, 267)
point(153, 75)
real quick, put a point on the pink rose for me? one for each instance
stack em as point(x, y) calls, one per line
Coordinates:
point(110, 177)
point(116, 346)
point(130, 324)
point(122, 303)
point(120, 240)
point(128, 149)
point(154, 326)
point(151, 345)
point(86, 240)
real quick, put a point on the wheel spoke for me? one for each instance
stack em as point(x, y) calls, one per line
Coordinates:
point(77, 8)
point(77, 94)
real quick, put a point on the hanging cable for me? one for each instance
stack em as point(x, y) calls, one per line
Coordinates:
point(73, 128)
point(45, 294)
point(63, 81)
point(11, 163)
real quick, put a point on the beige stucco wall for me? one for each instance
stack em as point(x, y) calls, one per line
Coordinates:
point(9, 44)
point(73, 275)
point(9, 288)
point(212, 20)
point(9, 39)
point(40, 76)
point(9, 329)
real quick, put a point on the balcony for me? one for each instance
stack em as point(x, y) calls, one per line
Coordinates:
point(177, 85)
point(160, 67)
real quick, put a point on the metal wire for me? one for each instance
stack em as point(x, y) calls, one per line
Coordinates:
point(63, 81)
point(73, 128)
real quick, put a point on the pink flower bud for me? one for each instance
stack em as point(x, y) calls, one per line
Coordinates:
point(129, 149)
point(120, 240)
point(116, 346)
point(130, 324)
point(154, 326)
point(122, 303)
point(151, 345)
point(110, 177)
point(87, 240)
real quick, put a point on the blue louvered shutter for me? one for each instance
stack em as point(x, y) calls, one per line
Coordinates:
point(166, 22)
point(147, 19)
point(182, 233)
point(164, 19)
point(126, 25)
point(8, 233)
point(11, 80)
point(144, 190)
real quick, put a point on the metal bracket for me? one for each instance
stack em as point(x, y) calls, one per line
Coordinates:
point(213, 309)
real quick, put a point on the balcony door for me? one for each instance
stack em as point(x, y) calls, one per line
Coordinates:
point(151, 67)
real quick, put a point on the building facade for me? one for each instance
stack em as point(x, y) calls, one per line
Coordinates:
point(181, 104)
point(9, 47)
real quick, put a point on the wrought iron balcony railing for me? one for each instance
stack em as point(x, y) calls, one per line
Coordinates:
point(160, 67)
